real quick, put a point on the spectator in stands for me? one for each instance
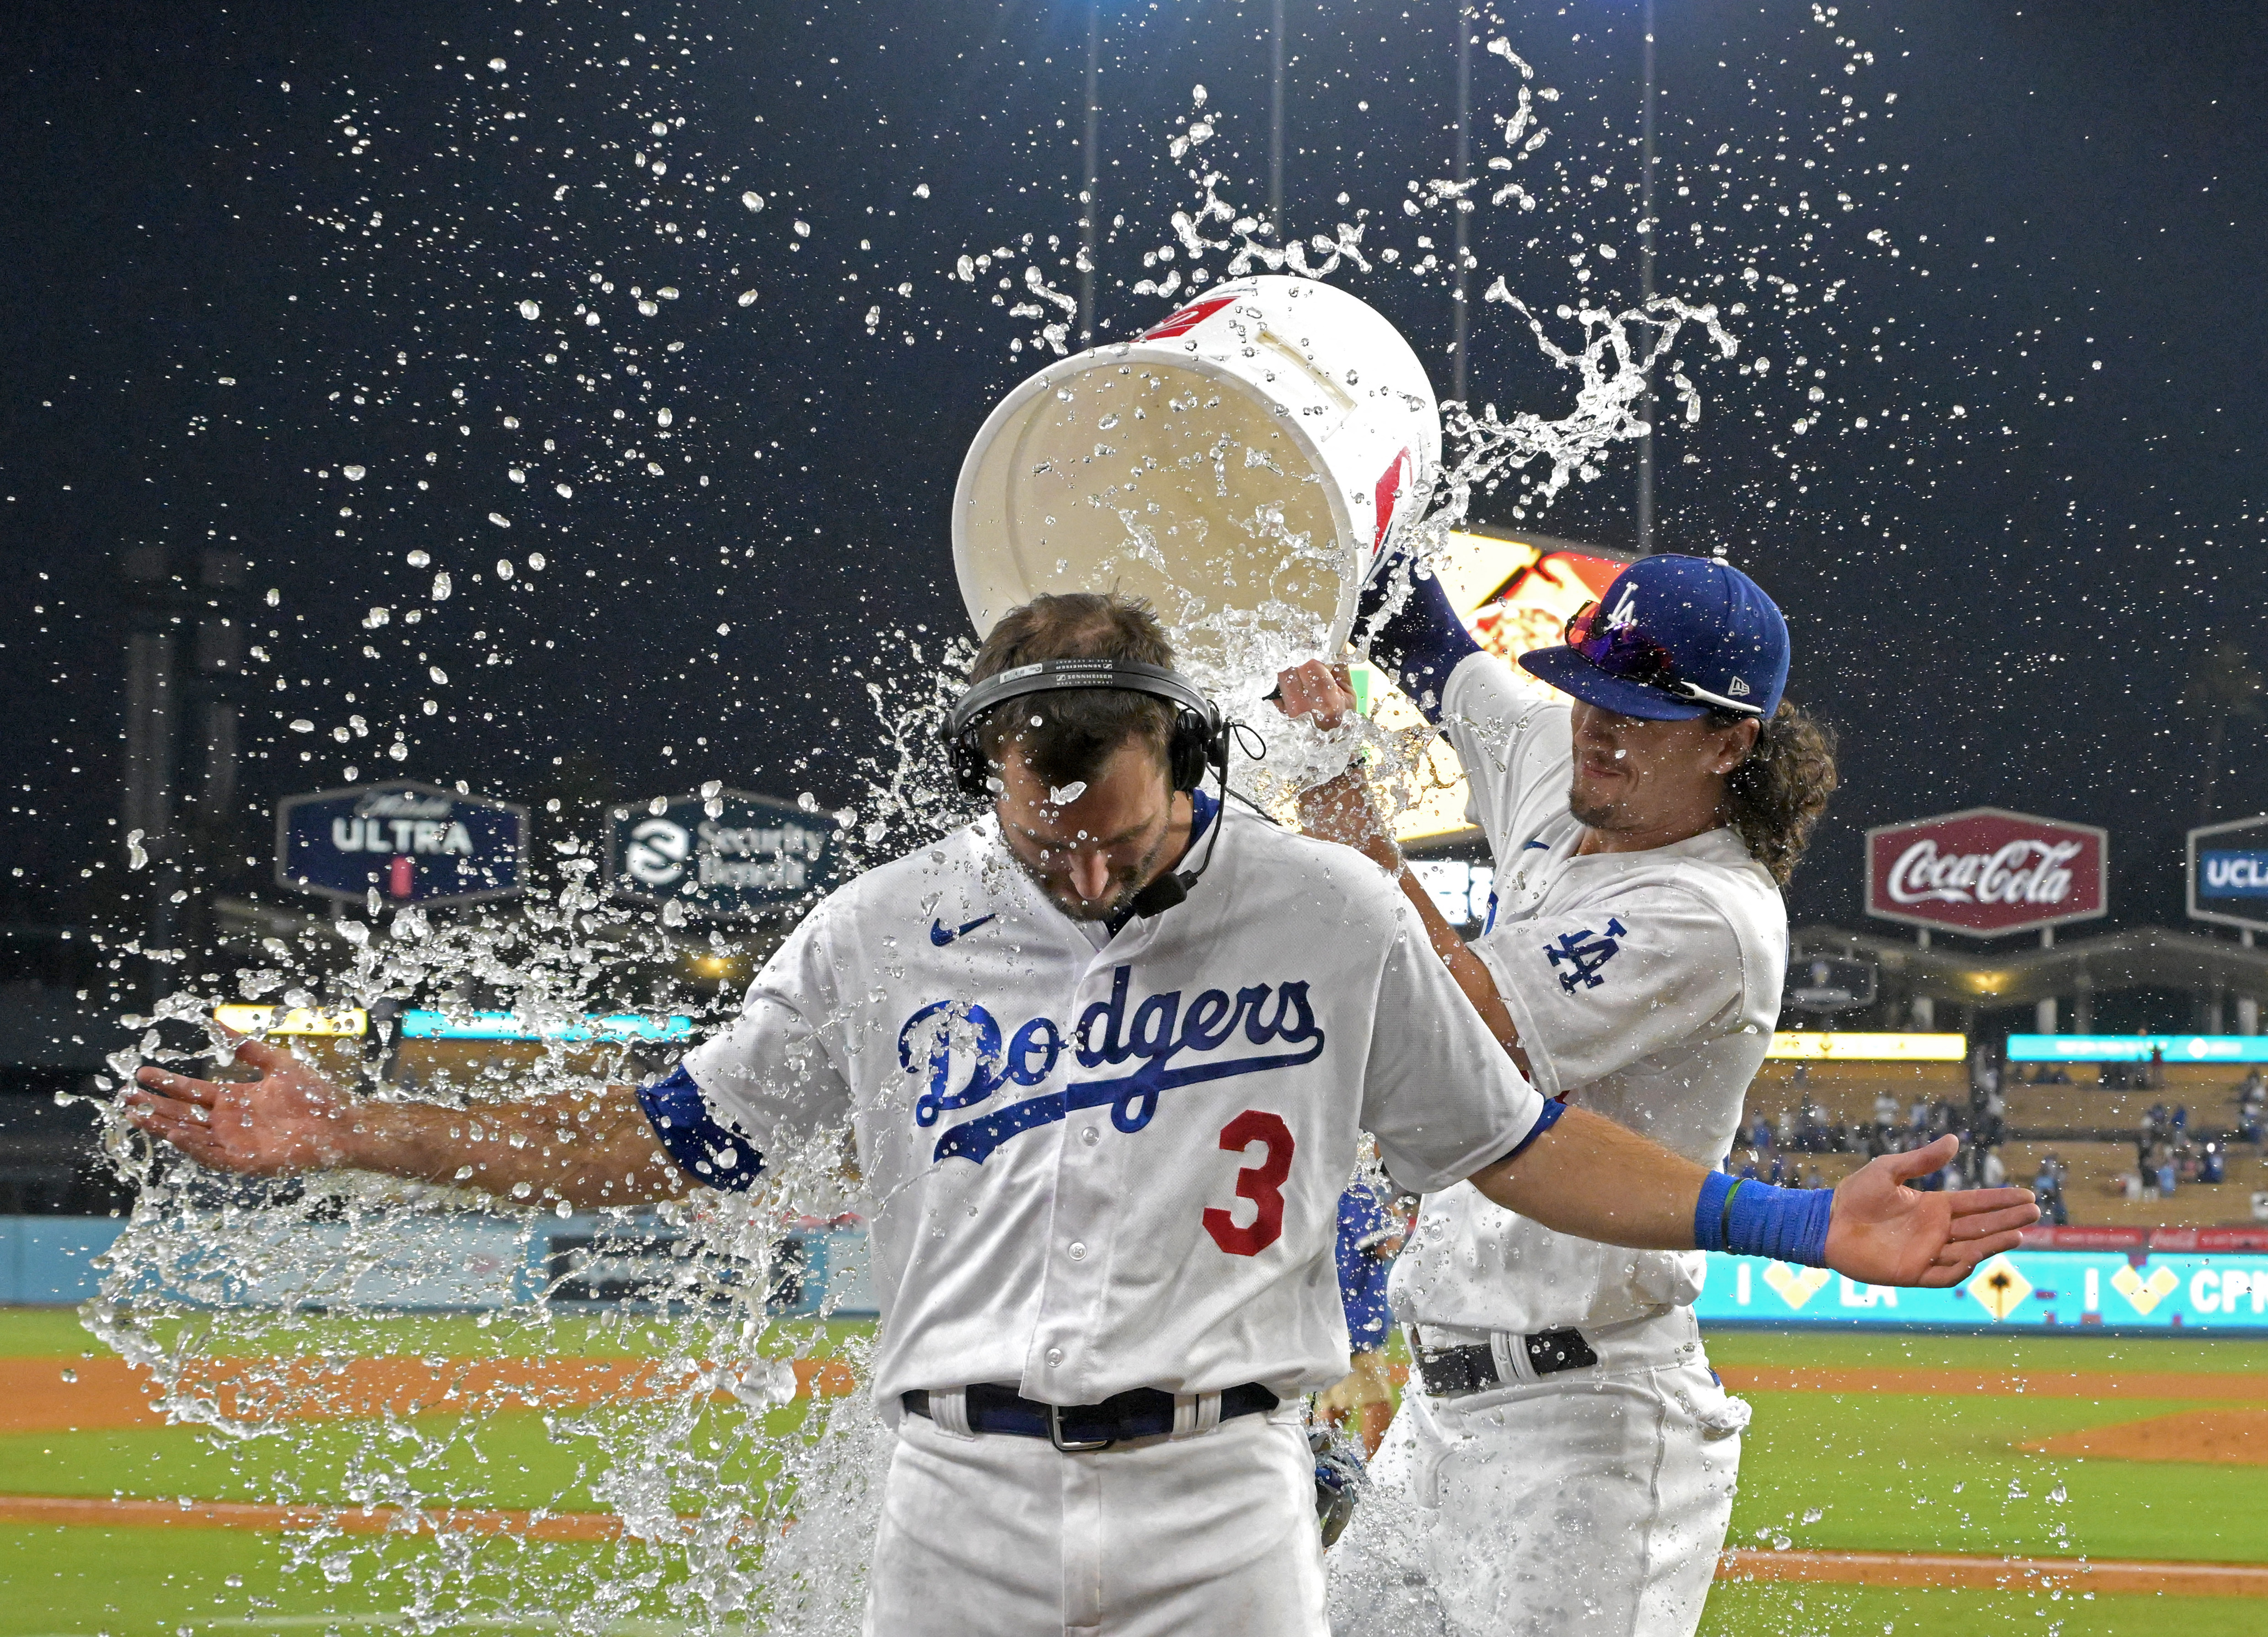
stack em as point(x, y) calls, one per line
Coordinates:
point(1812, 1178)
point(1760, 1135)
point(1991, 1173)
point(2212, 1165)
point(2157, 1068)
point(2251, 1108)
point(1918, 1117)
point(2162, 1168)
point(1886, 1110)
point(2047, 1188)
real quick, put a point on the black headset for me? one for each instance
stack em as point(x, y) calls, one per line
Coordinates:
point(1198, 743)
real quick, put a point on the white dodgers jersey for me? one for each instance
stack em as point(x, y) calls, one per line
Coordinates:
point(1645, 987)
point(1099, 1163)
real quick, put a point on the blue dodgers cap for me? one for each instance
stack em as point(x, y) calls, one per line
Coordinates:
point(1673, 639)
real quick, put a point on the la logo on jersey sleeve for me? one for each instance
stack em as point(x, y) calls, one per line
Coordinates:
point(1585, 953)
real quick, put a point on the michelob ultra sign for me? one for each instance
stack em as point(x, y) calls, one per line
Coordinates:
point(407, 842)
point(1986, 871)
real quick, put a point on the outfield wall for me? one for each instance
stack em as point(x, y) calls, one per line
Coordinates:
point(468, 1262)
point(2166, 1282)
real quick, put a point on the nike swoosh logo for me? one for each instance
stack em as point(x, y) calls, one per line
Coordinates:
point(940, 935)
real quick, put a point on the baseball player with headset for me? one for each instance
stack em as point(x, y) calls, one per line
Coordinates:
point(1106, 1054)
point(1570, 1454)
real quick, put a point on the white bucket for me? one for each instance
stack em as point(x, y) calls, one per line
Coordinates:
point(1239, 466)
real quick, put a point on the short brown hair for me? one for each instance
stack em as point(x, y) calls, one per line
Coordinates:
point(1067, 735)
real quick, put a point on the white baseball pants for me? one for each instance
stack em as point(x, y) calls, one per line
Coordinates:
point(993, 1535)
point(1590, 1503)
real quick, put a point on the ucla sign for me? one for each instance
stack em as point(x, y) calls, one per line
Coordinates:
point(2228, 873)
point(409, 843)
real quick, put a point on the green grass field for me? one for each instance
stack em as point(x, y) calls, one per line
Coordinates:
point(1877, 1472)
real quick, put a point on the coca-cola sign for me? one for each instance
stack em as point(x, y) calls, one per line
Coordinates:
point(1986, 871)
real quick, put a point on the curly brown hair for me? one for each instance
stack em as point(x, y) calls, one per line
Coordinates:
point(1777, 795)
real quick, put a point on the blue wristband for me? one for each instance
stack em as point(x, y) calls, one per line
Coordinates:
point(1752, 1219)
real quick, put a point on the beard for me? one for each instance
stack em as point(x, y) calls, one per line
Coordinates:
point(1128, 884)
point(1591, 810)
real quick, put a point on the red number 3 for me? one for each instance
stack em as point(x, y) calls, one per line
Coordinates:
point(1262, 1184)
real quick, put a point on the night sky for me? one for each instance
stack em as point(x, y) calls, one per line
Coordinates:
point(2022, 509)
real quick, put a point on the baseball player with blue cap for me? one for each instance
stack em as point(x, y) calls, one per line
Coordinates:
point(1565, 1459)
point(1106, 1055)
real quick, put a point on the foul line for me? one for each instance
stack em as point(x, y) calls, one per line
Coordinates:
point(1952, 1572)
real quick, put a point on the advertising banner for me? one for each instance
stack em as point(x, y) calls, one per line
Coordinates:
point(2138, 1048)
point(2016, 1290)
point(2228, 873)
point(1986, 871)
point(727, 856)
point(409, 843)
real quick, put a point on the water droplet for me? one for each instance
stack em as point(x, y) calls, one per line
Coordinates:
point(803, 230)
point(439, 676)
point(566, 491)
point(441, 586)
point(301, 724)
point(667, 292)
point(529, 310)
point(753, 200)
point(649, 308)
point(496, 64)
point(662, 417)
point(355, 473)
point(420, 557)
point(275, 598)
point(499, 519)
point(516, 474)
point(747, 297)
point(503, 568)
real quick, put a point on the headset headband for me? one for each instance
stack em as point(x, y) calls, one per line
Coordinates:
point(1130, 675)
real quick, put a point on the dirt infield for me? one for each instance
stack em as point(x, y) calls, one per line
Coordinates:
point(2096, 1385)
point(54, 1395)
point(1948, 1572)
point(2219, 1437)
point(1941, 1571)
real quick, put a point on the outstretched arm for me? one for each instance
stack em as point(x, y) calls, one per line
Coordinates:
point(1588, 1176)
point(591, 1150)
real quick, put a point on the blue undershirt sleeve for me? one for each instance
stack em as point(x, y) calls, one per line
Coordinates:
point(711, 1153)
point(1421, 643)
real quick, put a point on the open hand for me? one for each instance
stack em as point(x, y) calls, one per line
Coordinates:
point(289, 1120)
point(1884, 1233)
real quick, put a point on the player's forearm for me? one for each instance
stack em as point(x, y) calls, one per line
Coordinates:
point(1471, 973)
point(590, 1150)
point(1588, 1176)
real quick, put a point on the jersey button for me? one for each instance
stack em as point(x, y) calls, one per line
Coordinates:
point(1090, 1136)
point(1055, 1357)
point(1077, 1251)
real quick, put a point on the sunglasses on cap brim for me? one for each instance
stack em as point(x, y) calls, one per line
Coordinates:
point(1629, 655)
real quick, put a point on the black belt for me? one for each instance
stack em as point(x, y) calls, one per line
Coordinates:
point(1140, 1413)
point(1472, 1368)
